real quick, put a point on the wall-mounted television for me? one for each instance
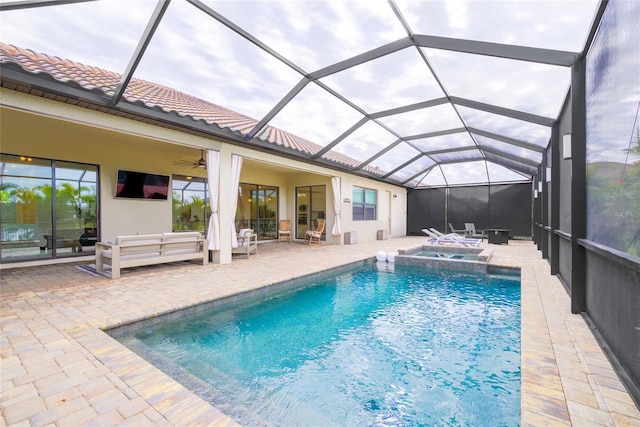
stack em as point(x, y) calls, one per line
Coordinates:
point(141, 185)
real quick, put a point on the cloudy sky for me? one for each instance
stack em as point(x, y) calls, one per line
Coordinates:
point(197, 55)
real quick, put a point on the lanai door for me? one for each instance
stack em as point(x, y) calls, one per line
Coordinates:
point(311, 205)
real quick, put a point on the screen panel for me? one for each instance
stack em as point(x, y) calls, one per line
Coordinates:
point(613, 130)
point(510, 208)
point(425, 209)
point(469, 204)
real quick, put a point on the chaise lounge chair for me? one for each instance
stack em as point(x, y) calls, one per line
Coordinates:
point(438, 238)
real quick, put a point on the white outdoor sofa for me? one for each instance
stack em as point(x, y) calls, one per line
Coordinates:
point(149, 249)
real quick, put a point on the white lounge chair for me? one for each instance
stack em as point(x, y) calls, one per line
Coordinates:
point(433, 238)
point(467, 241)
point(438, 238)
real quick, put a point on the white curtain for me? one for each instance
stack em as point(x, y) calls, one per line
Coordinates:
point(213, 177)
point(337, 198)
point(236, 167)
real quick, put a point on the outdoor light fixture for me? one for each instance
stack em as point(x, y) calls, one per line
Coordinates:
point(540, 187)
point(566, 146)
point(535, 194)
point(547, 175)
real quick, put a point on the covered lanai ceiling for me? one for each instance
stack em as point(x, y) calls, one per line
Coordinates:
point(416, 93)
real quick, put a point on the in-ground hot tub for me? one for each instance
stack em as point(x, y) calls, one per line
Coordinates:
point(447, 258)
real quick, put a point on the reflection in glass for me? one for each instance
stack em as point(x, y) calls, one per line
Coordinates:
point(613, 130)
point(76, 208)
point(47, 208)
point(364, 202)
point(25, 206)
point(311, 205)
point(257, 209)
point(191, 209)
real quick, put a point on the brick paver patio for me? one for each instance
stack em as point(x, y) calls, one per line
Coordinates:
point(59, 368)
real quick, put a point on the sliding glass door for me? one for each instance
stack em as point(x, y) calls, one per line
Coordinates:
point(48, 208)
point(258, 209)
point(311, 205)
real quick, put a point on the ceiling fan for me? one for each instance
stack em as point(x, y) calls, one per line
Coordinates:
point(201, 163)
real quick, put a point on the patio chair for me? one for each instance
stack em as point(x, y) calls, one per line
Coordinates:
point(284, 230)
point(453, 230)
point(313, 236)
point(247, 242)
point(470, 231)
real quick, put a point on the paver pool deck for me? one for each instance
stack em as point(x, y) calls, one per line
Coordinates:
point(58, 367)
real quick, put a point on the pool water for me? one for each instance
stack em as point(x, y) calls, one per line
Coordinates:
point(443, 255)
point(366, 347)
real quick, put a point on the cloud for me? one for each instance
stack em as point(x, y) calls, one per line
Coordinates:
point(397, 79)
point(83, 32)
point(457, 13)
point(316, 115)
point(366, 141)
point(195, 54)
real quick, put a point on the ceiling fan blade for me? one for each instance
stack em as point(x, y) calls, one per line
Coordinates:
point(184, 163)
point(194, 164)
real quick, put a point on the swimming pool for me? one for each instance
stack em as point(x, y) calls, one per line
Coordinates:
point(364, 347)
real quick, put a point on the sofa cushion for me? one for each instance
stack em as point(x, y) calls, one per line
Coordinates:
point(245, 232)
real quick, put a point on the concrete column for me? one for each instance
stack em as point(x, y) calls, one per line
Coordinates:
point(225, 214)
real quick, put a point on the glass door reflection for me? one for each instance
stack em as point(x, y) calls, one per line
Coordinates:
point(258, 209)
point(311, 205)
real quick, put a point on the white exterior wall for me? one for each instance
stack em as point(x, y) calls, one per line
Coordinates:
point(40, 127)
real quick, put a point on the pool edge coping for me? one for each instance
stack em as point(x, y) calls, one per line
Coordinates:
point(146, 379)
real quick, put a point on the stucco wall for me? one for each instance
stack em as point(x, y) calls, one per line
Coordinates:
point(44, 128)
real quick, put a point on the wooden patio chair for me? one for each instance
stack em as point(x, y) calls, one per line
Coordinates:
point(312, 237)
point(284, 230)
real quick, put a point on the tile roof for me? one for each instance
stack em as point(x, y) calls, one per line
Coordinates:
point(167, 99)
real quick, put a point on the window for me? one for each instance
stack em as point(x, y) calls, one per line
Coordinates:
point(311, 205)
point(190, 203)
point(48, 208)
point(257, 209)
point(364, 204)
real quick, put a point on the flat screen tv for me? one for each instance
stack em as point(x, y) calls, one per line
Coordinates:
point(141, 185)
